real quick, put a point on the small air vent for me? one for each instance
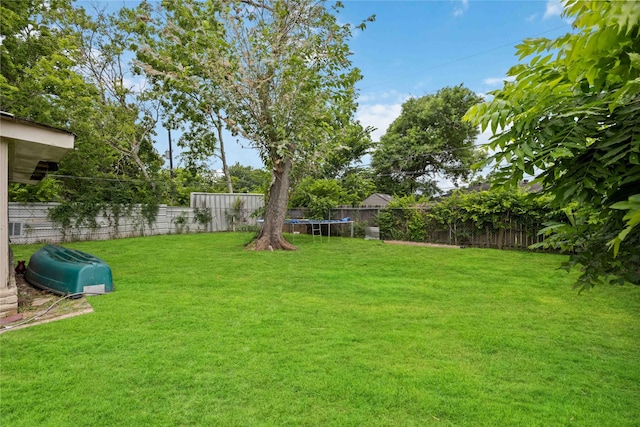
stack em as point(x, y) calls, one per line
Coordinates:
point(15, 229)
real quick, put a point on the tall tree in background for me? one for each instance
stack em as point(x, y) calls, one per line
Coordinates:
point(63, 68)
point(38, 57)
point(572, 114)
point(428, 140)
point(290, 82)
point(247, 179)
point(128, 115)
point(39, 81)
point(175, 45)
point(284, 77)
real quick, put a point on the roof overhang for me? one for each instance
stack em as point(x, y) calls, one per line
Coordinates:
point(34, 149)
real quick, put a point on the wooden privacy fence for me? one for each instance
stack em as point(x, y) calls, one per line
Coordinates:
point(363, 216)
point(512, 234)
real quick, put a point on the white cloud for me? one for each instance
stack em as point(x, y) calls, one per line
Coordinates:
point(554, 8)
point(137, 84)
point(484, 137)
point(461, 8)
point(497, 81)
point(378, 96)
point(379, 116)
point(379, 110)
point(492, 81)
point(485, 96)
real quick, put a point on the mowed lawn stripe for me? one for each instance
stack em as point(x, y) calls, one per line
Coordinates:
point(340, 332)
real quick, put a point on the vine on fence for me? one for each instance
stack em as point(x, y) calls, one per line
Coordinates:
point(114, 201)
point(181, 221)
point(404, 219)
point(464, 214)
point(202, 215)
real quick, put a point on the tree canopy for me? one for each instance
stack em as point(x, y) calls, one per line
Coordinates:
point(428, 139)
point(279, 73)
point(571, 117)
point(247, 179)
point(64, 67)
point(175, 44)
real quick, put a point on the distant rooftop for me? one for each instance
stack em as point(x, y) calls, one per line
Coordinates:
point(377, 199)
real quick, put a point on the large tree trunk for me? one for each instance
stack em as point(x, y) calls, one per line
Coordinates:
point(271, 238)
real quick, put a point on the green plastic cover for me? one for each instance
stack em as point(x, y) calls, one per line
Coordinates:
point(68, 271)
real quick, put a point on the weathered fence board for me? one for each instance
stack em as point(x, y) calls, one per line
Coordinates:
point(514, 235)
point(30, 222)
point(229, 212)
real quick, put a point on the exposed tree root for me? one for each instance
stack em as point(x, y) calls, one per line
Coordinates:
point(263, 243)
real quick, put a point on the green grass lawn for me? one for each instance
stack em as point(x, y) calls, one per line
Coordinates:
point(340, 333)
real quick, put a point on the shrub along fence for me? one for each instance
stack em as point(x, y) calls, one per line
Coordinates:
point(361, 216)
point(490, 219)
point(419, 225)
point(32, 223)
point(495, 219)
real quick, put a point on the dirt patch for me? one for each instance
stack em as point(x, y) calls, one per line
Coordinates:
point(435, 245)
point(36, 306)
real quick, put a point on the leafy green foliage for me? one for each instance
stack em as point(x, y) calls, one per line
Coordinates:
point(572, 116)
point(413, 220)
point(177, 189)
point(350, 142)
point(277, 72)
point(359, 184)
point(38, 80)
point(428, 139)
point(47, 190)
point(405, 218)
point(318, 195)
point(112, 198)
point(494, 209)
point(181, 221)
point(175, 43)
point(202, 215)
point(246, 179)
point(63, 67)
point(632, 218)
point(321, 195)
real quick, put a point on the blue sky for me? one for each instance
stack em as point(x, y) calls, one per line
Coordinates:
point(417, 47)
